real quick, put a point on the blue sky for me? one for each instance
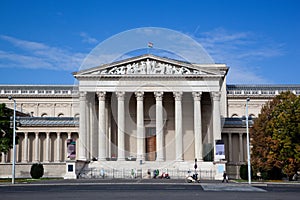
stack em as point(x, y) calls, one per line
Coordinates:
point(43, 42)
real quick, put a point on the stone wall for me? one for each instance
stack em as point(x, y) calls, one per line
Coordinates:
point(53, 170)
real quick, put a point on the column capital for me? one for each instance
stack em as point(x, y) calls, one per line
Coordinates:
point(139, 96)
point(197, 96)
point(101, 96)
point(120, 95)
point(158, 95)
point(216, 96)
point(82, 96)
point(178, 96)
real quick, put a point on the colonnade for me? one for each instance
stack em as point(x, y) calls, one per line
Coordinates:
point(140, 128)
point(235, 144)
point(52, 150)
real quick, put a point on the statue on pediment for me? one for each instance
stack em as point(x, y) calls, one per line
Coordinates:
point(149, 67)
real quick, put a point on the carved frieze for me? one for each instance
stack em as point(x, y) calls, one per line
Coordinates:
point(148, 67)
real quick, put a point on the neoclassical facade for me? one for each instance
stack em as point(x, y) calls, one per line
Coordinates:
point(143, 112)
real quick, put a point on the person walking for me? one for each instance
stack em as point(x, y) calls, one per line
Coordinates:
point(225, 177)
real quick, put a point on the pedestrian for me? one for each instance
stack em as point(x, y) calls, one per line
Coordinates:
point(225, 177)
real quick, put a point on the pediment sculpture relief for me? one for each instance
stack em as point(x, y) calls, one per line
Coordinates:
point(148, 67)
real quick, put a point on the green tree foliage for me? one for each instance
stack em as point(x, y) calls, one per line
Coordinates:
point(6, 132)
point(276, 136)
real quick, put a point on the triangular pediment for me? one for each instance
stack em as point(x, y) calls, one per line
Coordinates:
point(147, 65)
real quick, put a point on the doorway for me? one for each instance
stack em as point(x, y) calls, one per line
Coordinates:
point(150, 144)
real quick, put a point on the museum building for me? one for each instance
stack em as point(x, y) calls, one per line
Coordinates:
point(146, 112)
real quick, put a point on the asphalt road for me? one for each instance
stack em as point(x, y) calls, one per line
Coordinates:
point(146, 191)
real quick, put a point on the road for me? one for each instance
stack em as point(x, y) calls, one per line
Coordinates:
point(146, 191)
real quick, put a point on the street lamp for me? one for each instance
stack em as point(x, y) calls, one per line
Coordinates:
point(248, 142)
point(14, 142)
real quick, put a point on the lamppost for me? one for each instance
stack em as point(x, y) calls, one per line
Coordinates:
point(14, 142)
point(248, 142)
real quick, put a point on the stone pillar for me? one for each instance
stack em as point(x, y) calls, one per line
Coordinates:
point(198, 126)
point(36, 153)
point(102, 127)
point(3, 157)
point(25, 155)
point(140, 130)
point(69, 135)
point(159, 127)
point(178, 126)
point(121, 126)
point(108, 127)
point(58, 149)
point(216, 119)
point(230, 147)
point(47, 150)
point(82, 140)
point(241, 153)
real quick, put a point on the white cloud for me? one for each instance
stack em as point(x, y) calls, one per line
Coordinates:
point(37, 55)
point(242, 51)
point(88, 39)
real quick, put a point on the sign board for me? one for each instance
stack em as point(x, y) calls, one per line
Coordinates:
point(220, 150)
point(71, 148)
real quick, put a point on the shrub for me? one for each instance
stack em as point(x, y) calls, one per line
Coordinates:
point(37, 171)
point(244, 172)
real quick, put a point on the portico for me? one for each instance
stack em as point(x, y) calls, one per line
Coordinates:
point(152, 109)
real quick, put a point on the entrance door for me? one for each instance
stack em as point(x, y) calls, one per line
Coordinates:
point(150, 144)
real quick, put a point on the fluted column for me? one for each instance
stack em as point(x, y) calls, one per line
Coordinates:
point(159, 127)
point(47, 150)
point(216, 119)
point(178, 126)
point(82, 140)
point(121, 126)
point(241, 154)
point(198, 126)
point(230, 146)
point(36, 153)
point(25, 155)
point(140, 126)
point(102, 127)
point(58, 151)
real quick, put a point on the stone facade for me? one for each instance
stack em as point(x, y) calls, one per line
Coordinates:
point(156, 111)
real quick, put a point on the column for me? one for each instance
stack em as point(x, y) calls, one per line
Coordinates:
point(140, 131)
point(159, 126)
point(108, 127)
point(241, 155)
point(216, 119)
point(82, 127)
point(178, 125)
point(69, 135)
point(102, 127)
point(230, 147)
point(121, 126)
point(198, 126)
point(58, 150)
point(47, 150)
point(3, 157)
point(36, 153)
point(25, 155)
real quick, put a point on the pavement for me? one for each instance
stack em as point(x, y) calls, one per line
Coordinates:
point(208, 185)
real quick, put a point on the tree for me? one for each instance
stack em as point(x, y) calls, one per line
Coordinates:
point(276, 136)
point(6, 132)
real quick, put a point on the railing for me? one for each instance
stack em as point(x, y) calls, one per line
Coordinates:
point(123, 173)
